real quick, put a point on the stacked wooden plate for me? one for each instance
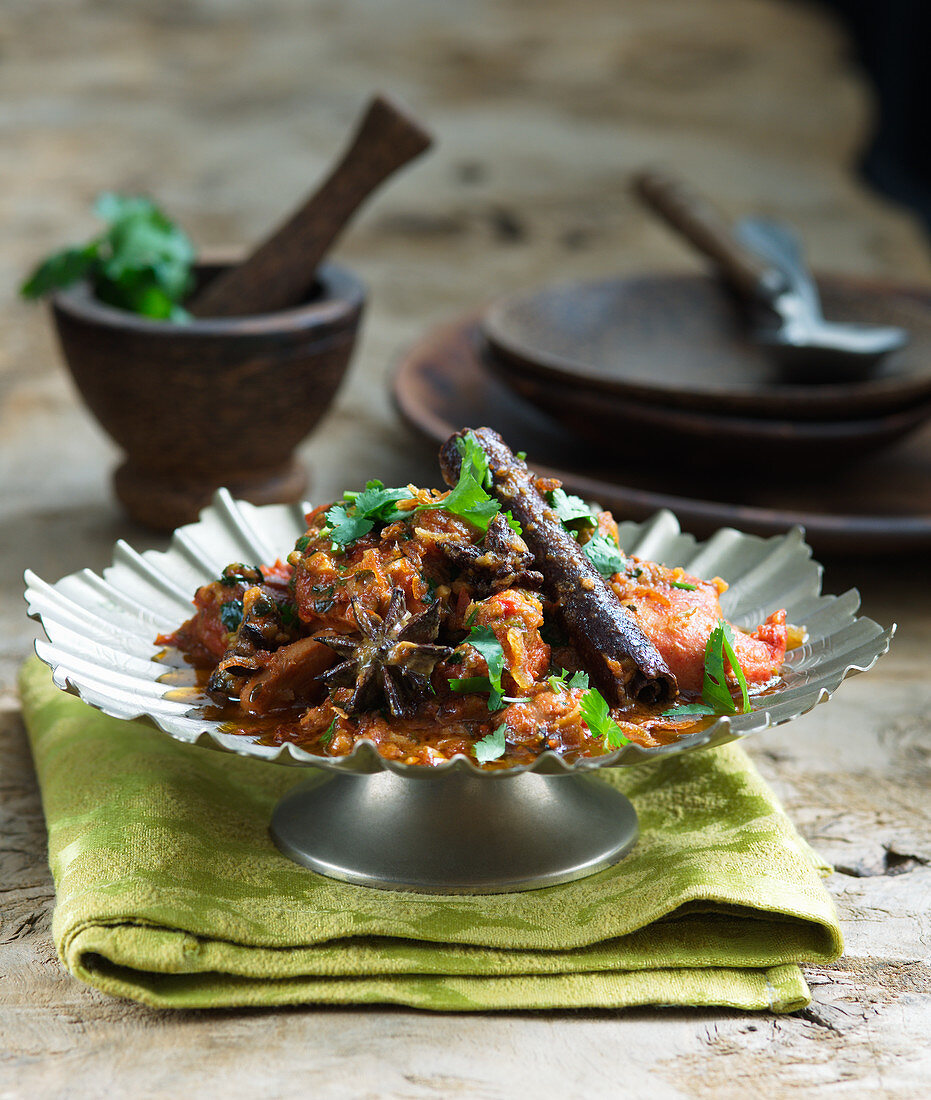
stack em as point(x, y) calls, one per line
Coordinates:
point(646, 392)
point(664, 362)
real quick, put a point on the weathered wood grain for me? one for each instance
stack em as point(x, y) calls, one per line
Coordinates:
point(224, 111)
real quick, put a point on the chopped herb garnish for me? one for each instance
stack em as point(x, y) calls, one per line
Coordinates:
point(358, 512)
point(377, 502)
point(288, 614)
point(513, 524)
point(691, 710)
point(483, 640)
point(470, 685)
point(522, 455)
point(469, 499)
point(231, 614)
point(237, 573)
point(327, 736)
point(598, 718)
point(303, 542)
point(492, 746)
point(563, 682)
point(605, 555)
point(516, 698)
point(345, 528)
point(684, 585)
point(715, 690)
point(569, 509)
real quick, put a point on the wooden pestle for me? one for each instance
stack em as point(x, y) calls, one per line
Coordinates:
point(280, 272)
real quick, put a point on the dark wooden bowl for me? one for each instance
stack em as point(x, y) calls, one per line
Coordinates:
point(214, 402)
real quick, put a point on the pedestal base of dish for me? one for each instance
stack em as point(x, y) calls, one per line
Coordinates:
point(455, 834)
point(164, 500)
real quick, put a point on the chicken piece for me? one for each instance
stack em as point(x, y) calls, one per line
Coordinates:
point(679, 621)
point(291, 677)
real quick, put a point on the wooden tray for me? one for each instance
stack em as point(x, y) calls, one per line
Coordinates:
point(880, 505)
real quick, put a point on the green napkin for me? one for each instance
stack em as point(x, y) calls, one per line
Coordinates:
point(170, 891)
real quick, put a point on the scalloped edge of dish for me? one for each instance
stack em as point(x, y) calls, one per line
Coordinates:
point(128, 687)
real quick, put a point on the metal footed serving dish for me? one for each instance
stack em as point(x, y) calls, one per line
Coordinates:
point(101, 647)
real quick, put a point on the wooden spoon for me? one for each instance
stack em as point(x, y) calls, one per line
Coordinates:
point(280, 272)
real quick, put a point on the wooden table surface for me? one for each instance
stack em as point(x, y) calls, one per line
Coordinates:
point(227, 112)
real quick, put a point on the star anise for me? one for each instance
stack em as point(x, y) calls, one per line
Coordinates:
point(501, 560)
point(391, 661)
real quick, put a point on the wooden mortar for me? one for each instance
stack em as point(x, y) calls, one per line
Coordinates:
point(218, 401)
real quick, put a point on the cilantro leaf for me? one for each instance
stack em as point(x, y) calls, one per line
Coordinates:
point(605, 555)
point(513, 524)
point(346, 528)
point(474, 458)
point(357, 513)
point(598, 718)
point(470, 501)
point(327, 736)
point(470, 685)
point(59, 270)
point(142, 262)
point(468, 498)
point(692, 710)
point(570, 508)
point(288, 614)
point(492, 746)
point(715, 690)
point(483, 640)
point(377, 502)
point(561, 683)
point(231, 614)
point(731, 654)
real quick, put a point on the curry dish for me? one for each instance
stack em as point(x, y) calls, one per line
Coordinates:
point(497, 620)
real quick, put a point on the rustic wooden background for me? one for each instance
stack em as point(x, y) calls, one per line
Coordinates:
point(227, 111)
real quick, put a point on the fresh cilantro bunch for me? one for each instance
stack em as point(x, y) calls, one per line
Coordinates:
point(141, 262)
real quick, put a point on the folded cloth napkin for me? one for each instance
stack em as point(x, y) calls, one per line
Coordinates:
point(169, 891)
